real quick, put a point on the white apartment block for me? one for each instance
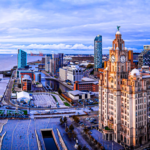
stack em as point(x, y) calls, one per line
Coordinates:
point(74, 73)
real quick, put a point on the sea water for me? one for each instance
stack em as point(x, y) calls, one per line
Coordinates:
point(7, 61)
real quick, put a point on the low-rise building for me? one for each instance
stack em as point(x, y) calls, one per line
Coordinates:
point(63, 74)
point(86, 84)
point(23, 97)
point(144, 59)
point(34, 75)
point(74, 73)
point(146, 47)
point(83, 58)
point(26, 83)
point(79, 95)
point(27, 78)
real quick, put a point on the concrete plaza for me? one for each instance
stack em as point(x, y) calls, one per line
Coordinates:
point(47, 100)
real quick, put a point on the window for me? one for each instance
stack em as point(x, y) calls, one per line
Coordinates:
point(122, 68)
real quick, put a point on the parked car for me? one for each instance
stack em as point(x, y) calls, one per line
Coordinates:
point(147, 148)
point(87, 119)
point(90, 109)
point(95, 122)
point(93, 119)
point(80, 122)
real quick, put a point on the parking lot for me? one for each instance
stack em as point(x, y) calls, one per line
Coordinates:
point(89, 121)
point(92, 101)
point(47, 100)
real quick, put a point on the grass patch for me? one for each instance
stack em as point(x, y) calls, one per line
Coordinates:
point(25, 112)
point(1, 112)
point(53, 92)
point(61, 98)
point(54, 98)
point(9, 112)
point(66, 104)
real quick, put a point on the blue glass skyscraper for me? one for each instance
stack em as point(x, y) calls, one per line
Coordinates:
point(97, 52)
point(22, 58)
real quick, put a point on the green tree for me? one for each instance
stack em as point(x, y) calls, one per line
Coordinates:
point(61, 121)
point(65, 119)
point(86, 130)
point(95, 142)
point(79, 147)
point(69, 135)
point(99, 145)
point(71, 127)
point(59, 91)
point(67, 130)
point(89, 66)
point(74, 135)
point(102, 148)
point(77, 120)
point(84, 148)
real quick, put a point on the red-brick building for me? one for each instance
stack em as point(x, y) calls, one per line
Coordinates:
point(86, 84)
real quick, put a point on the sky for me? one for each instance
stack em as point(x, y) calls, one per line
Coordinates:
point(70, 26)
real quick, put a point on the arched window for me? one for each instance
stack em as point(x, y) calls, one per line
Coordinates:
point(113, 69)
point(122, 68)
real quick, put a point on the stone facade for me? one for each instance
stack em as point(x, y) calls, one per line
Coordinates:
point(124, 98)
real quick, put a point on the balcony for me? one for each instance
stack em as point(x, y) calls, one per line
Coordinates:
point(111, 121)
point(141, 134)
point(107, 130)
point(140, 127)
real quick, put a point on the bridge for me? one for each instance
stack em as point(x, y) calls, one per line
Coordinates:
point(48, 77)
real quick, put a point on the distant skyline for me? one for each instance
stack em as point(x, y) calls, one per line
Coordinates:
point(70, 26)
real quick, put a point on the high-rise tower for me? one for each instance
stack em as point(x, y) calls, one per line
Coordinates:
point(97, 52)
point(22, 58)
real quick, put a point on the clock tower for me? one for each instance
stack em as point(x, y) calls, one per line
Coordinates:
point(124, 96)
point(118, 65)
point(117, 68)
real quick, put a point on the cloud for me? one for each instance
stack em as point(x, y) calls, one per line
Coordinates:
point(47, 46)
point(72, 24)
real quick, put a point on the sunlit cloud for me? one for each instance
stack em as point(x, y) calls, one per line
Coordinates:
point(66, 24)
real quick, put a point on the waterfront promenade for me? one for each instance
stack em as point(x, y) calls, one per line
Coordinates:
point(20, 134)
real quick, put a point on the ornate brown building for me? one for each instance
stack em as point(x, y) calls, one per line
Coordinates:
point(124, 98)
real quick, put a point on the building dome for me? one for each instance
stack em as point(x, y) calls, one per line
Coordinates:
point(26, 77)
point(118, 32)
point(135, 72)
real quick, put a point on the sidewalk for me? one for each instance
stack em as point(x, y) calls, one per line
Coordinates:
point(144, 146)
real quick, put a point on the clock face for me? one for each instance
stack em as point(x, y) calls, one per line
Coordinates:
point(112, 58)
point(123, 59)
